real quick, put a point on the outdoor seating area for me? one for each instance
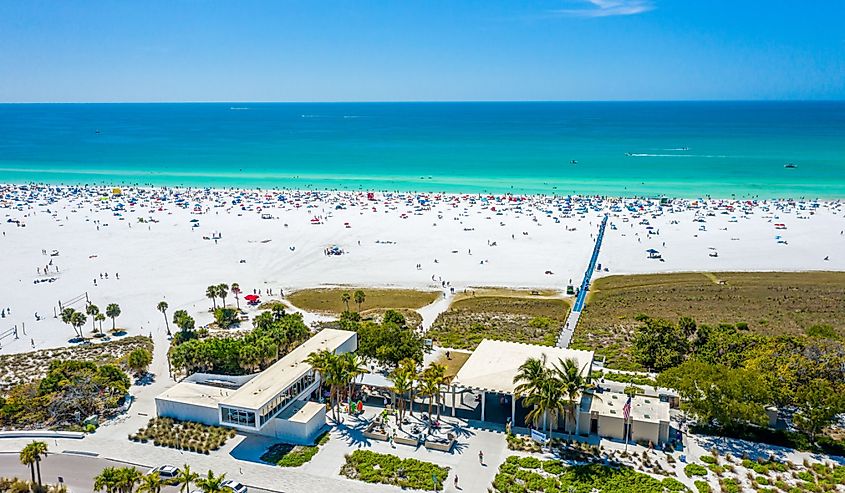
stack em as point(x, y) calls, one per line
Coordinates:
point(414, 431)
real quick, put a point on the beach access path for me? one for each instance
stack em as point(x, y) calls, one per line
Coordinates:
point(572, 320)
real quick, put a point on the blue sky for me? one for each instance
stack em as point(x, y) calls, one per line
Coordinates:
point(411, 50)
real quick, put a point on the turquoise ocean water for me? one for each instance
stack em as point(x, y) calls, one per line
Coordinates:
point(685, 149)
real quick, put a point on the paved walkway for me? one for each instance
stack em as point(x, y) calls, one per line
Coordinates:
point(430, 312)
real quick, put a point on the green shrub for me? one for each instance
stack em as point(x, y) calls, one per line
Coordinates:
point(695, 470)
point(371, 467)
point(702, 486)
point(530, 462)
point(731, 486)
point(707, 459)
point(553, 467)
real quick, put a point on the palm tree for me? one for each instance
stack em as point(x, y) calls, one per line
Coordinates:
point(531, 375)
point(572, 384)
point(354, 368)
point(93, 310)
point(403, 383)
point(549, 400)
point(107, 480)
point(77, 320)
point(67, 317)
point(100, 318)
point(185, 478)
point(113, 311)
point(222, 291)
point(127, 478)
point(27, 458)
point(409, 366)
point(438, 373)
point(212, 483)
point(359, 298)
point(211, 293)
point(319, 362)
point(236, 290)
point(345, 297)
point(66, 314)
point(162, 307)
point(429, 387)
point(151, 483)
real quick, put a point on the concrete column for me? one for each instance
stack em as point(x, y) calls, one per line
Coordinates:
point(513, 410)
point(483, 402)
point(453, 401)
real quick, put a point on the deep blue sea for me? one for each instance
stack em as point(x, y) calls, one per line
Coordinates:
point(686, 149)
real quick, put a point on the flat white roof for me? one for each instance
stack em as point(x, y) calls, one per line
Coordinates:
point(302, 411)
point(493, 364)
point(283, 373)
point(195, 394)
point(643, 408)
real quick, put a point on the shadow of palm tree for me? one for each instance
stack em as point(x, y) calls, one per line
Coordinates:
point(353, 433)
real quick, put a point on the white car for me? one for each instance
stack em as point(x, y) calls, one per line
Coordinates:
point(235, 486)
point(165, 472)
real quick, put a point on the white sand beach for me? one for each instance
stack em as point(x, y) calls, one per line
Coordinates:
point(278, 239)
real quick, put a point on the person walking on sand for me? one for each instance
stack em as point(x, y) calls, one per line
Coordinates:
point(456, 482)
point(481, 457)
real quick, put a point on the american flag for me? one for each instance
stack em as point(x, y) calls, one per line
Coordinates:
point(626, 409)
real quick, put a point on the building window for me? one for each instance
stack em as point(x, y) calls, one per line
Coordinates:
point(238, 417)
point(286, 397)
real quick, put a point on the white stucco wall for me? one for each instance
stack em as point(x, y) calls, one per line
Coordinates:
point(187, 412)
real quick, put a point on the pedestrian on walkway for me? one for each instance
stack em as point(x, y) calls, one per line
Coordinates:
point(456, 482)
point(481, 457)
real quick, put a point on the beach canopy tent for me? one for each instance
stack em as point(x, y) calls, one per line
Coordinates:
point(652, 253)
point(251, 297)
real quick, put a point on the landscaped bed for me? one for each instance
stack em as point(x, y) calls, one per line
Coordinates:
point(771, 303)
point(28, 367)
point(183, 435)
point(735, 474)
point(287, 455)
point(330, 300)
point(535, 320)
point(368, 466)
point(532, 475)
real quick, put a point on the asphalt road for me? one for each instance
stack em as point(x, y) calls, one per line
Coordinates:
point(76, 471)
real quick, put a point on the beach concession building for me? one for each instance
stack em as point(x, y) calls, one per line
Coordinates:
point(274, 402)
point(491, 369)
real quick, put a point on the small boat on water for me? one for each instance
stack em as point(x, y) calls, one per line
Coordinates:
point(790, 166)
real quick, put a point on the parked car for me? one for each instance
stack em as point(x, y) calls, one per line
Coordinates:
point(235, 486)
point(166, 472)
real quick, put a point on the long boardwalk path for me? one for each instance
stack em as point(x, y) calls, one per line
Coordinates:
point(572, 321)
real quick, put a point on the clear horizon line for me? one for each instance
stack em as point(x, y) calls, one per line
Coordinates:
point(439, 101)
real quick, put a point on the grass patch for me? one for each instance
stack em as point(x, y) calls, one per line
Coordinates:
point(518, 475)
point(328, 300)
point(19, 368)
point(183, 435)
point(771, 303)
point(412, 318)
point(535, 320)
point(454, 363)
point(368, 466)
point(287, 455)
